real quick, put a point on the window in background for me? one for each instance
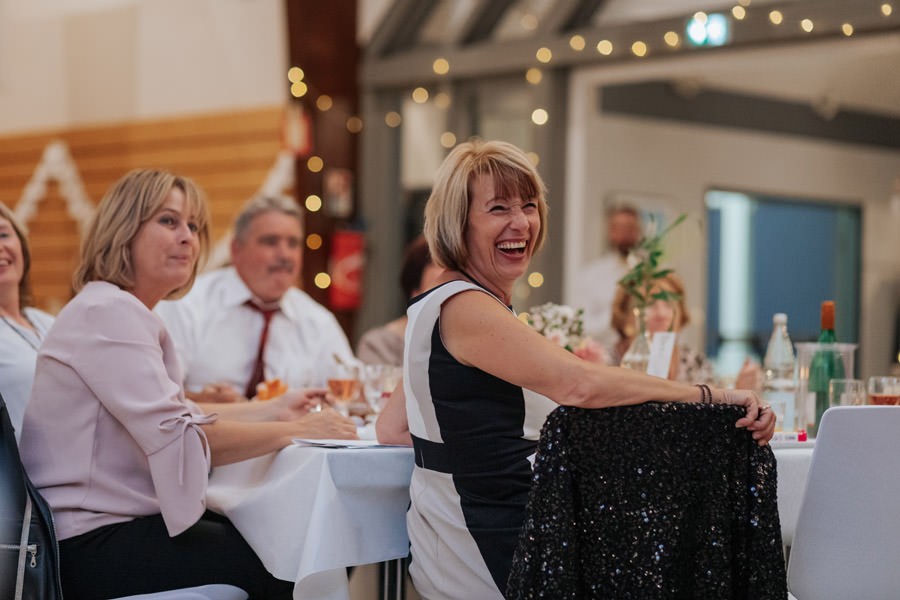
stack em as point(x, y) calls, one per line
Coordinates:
point(769, 255)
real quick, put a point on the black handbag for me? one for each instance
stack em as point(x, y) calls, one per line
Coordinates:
point(29, 555)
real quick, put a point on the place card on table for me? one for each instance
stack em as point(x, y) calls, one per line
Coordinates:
point(661, 353)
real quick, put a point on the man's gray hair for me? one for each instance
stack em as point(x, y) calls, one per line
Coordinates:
point(258, 205)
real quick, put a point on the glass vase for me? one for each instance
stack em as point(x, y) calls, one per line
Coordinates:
point(637, 357)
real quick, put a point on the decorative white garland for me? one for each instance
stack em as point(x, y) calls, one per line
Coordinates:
point(56, 164)
point(280, 176)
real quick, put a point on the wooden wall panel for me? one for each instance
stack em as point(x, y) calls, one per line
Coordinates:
point(228, 155)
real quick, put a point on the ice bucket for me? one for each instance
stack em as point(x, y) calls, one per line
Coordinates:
point(805, 398)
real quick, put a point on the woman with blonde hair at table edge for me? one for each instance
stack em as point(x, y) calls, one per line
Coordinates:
point(23, 326)
point(687, 365)
point(478, 382)
point(109, 438)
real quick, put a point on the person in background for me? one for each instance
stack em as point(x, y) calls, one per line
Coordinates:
point(597, 281)
point(688, 365)
point(478, 382)
point(248, 323)
point(109, 438)
point(23, 326)
point(384, 345)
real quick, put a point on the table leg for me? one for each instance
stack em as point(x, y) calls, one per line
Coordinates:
point(393, 579)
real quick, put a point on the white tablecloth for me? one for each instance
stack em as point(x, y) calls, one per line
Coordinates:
point(793, 459)
point(311, 512)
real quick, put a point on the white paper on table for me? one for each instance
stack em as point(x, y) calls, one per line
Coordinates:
point(342, 443)
point(661, 353)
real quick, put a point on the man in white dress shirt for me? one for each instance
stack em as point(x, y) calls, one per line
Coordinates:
point(220, 328)
point(597, 280)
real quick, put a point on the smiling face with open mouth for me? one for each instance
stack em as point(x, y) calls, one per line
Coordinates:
point(500, 234)
point(12, 265)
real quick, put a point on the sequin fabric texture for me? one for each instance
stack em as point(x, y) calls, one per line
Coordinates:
point(659, 500)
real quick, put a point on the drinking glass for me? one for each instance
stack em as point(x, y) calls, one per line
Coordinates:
point(846, 392)
point(884, 390)
point(379, 382)
point(344, 385)
point(373, 376)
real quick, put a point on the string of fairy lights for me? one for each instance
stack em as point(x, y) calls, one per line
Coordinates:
point(702, 29)
point(315, 163)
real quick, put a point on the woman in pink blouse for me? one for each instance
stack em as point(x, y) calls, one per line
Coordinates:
point(109, 438)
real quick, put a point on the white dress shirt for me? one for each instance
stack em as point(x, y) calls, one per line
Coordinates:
point(18, 351)
point(217, 335)
point(595, 293)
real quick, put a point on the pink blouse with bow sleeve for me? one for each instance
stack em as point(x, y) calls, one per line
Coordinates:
point(108, 435)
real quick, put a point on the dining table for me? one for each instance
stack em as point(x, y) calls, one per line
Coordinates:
point(317, 507)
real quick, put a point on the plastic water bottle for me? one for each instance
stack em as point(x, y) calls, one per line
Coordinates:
point(778, 380)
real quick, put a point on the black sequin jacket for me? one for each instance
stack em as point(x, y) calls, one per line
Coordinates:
point(659, 500)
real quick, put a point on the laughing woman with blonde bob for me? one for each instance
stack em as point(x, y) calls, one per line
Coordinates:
point(479, 383)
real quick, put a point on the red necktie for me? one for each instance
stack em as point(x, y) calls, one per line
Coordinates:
point(257, 376)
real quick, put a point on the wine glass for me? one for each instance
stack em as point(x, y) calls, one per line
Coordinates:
point(884, 391)
point(846, 392)
point(344, 385)
point(372, 385)
point(379, 382)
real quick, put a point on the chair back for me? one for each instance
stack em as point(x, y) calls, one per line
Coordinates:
point(658, 500)
point(845, 543)
point(29, 556)
point(202, 592)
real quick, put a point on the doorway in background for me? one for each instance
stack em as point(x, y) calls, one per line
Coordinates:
point(769, 255)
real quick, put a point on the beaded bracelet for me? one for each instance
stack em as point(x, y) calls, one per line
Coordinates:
point(705, 393)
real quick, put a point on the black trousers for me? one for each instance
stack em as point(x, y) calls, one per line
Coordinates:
point(139, 557)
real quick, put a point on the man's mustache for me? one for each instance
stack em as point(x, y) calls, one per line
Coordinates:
point(285, 265)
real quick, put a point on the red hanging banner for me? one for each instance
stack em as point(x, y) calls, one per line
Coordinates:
point(347, 260)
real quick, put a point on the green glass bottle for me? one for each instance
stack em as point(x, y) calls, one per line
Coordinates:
point(824, 366)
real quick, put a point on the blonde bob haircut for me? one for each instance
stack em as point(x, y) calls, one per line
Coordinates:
point(129, 203)
point(447, 209)
point(25, 298)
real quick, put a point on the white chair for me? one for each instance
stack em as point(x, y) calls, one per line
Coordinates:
point(845, 545)
point(203, 592)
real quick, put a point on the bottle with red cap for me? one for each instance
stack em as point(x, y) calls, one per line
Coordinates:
point(826, 364)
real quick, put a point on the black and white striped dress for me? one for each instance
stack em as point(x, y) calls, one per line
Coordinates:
point(474, 437)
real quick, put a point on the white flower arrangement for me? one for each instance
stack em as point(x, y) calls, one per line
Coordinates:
point(558, 323)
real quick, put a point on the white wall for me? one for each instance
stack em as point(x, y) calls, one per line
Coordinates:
point(99, 61)
point(681, 162)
